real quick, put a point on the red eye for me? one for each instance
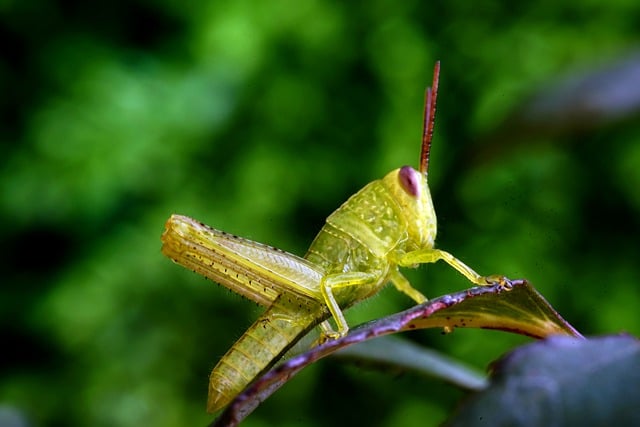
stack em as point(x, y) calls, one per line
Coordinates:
point(410, 180)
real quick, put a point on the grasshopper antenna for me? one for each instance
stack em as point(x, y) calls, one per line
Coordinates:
point(430, 97)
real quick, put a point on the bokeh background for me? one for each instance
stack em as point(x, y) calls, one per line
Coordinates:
point(260, 118)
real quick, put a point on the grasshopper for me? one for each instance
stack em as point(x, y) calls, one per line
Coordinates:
point(388, 224)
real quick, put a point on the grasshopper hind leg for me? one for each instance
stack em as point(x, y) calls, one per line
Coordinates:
point(258, 349)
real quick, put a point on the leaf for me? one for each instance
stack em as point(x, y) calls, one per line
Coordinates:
point(521, 309)
point(561, 382)
point(400, 354)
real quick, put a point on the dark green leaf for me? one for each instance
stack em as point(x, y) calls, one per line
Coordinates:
point(561, 382)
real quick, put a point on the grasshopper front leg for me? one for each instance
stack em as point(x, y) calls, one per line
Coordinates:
point(431, 255)
point(403, 285)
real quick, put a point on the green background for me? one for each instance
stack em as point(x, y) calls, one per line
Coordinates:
point(260, 118)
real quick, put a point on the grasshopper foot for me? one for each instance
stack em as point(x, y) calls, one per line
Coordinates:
point(502, 281)
point(328, 336)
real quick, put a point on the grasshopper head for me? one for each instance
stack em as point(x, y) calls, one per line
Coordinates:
point(410, 187)
point(410, 190)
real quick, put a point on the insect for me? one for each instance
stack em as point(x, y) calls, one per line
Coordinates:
point(388, 224)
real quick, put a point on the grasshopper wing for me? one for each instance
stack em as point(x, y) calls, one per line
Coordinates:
point(256, 271)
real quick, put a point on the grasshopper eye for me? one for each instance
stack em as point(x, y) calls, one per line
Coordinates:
point(410, 180)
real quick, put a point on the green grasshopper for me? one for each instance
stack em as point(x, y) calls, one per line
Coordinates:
point(388, 224)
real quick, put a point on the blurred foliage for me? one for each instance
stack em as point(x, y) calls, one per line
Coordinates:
point(260, 119)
